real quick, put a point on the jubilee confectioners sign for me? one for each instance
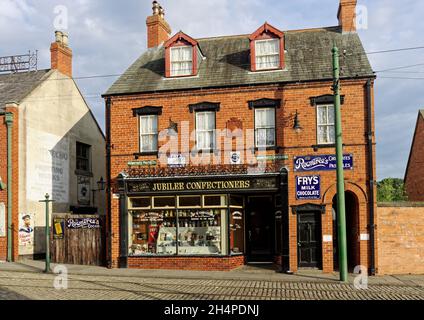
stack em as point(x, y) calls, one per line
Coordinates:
point(321, 163)
point(203, 185)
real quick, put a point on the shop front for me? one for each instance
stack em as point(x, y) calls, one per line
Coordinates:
point(207, 223)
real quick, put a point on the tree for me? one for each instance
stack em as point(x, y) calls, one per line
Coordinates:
point(391, 190)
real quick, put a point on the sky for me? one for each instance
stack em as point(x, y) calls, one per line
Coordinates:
point(107, 36)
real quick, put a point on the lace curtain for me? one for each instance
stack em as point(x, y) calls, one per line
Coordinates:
point(267, 54)
point(181, 61)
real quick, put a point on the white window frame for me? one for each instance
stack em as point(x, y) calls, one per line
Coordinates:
point(204, 130)
point(257, 127)
point(185, 72)
point(153, 133)
point(258, 67)
point(330, 140)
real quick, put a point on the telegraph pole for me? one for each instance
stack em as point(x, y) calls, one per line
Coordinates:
point(47, 202)
point(341, 206)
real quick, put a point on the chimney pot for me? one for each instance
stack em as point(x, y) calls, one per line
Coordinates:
point(156, 8)
point(59, 36)
point(61, 54)
point(65, 39)
point(162, 12)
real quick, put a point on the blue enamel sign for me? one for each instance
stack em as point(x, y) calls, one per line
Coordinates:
point(308, 188)
point(321, 163)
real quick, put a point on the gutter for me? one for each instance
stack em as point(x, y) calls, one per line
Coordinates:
point(9, 124)
point(370, 134)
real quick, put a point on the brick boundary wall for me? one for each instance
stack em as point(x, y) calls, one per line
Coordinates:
point(187, 263)
point(400, 236)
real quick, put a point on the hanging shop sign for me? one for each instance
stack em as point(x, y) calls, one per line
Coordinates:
point(83, 223)
point(58, 228)
point(241, 184)
point(235, 158)
point(308, 188)
point(176, 160)
point(321, 163)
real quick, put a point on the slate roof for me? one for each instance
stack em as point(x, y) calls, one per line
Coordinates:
point(16, 86)
point(227, 63)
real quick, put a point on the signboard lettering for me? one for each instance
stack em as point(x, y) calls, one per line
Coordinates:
point(308, 188)
point(321, 163)
point(83, 223)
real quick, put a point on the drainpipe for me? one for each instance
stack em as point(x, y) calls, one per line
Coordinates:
point(9, 124)
point(108, 189)
point(370, 134)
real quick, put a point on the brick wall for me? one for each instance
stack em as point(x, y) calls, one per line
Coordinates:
point(3, 175)
point(400, 238)
point(234, 104)
point(414, 180)
point(187, 263)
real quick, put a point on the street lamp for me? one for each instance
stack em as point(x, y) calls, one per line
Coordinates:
point(101, 185)
point(296, 125)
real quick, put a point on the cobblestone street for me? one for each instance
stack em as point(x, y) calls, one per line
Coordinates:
point(37, 285)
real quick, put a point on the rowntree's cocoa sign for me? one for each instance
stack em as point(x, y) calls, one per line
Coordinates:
point(321, 163)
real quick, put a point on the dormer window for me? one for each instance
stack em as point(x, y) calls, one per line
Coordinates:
point(181, 61)
point(267, 54)
point(182, 55)
point(267, 49)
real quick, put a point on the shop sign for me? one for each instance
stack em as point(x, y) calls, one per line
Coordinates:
point(308, 188)
point(58, 228)
point(151, 217)
point(273, 157)
point(237, 215)
point(202, 185)
point(142, 163)
point(321, 163)
point(83, 223)
point(176, 160)
point(202, 215)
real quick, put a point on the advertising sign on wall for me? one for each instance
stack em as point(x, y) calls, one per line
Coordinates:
point(58, 228)
point(321, 163)
point(83, 223)
point(2, 220)
point(26, 234)
point(176, 160)
point(308, 188)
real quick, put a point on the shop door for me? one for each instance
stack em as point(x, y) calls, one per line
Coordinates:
point(260, 229)
point(309, 240)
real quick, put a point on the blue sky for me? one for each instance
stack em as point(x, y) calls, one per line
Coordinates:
point(107, 36)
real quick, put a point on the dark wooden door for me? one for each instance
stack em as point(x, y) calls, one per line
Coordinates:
point(260, 229)
point(309, 240)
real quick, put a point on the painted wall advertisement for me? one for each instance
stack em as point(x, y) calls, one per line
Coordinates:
point(308, 188)
point(2, 220)
point(321, 163)
point(26, 233)
point(48, 165)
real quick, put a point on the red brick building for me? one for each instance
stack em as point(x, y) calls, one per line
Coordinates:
point(221, 150)
point(414, 177)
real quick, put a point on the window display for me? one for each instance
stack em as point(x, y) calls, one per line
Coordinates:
point(199, 222)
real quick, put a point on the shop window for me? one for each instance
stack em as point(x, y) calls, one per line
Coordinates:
point(164, 202)
point(325, 124)
point(215, 201)
point(189, 201)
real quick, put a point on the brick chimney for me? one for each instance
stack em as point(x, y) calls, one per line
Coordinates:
point(158, 30)
point(61, 54)
point(347, 15)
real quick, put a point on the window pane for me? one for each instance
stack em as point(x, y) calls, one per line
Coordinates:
point(265, 118)
point(161, 202)
point(331, 115)
point(148, 124)
point(332, 134)
point(322, 115)
point(215, 201)
point(237, 231)
point(152, 232)
point(189, 201)
point(322, 134)
point(199, 231)
point(140, 202)
point(267, 54)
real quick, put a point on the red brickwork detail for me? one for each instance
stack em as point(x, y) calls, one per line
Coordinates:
point(61, 58)
point(187, 263)
point(401, 240)
point(414, 180)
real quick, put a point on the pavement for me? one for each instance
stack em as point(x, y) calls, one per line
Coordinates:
point(26, 280)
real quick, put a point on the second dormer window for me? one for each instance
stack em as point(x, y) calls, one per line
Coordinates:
point(181, 61)
point(267, 54)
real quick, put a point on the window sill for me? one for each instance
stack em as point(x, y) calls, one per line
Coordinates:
point(274, 148)
point(324, 146)
point(205, 151)
point(145, 154)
